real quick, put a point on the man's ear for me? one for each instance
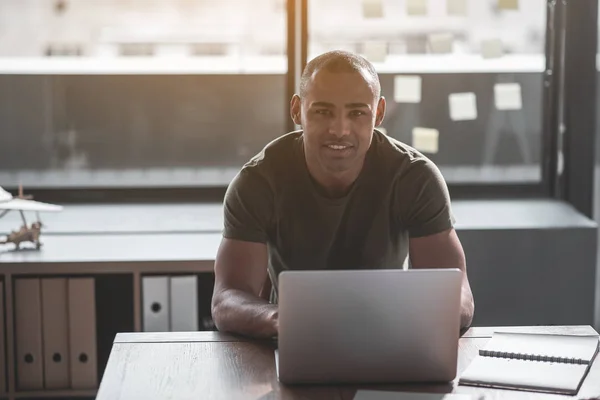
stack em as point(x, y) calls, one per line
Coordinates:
point(296, 109)
point(380, 111)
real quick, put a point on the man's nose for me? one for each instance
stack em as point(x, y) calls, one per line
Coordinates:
point(340, 127)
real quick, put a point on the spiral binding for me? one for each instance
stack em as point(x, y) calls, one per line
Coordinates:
point(531, 357)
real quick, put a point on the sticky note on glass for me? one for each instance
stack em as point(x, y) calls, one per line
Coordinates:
point(372, 8)
point(407, 89)
point(463, 106)
point(375, 51)
point(492, 48)
point(416, 45)
point(416, 7)
point(441, 43)
point(508, 96)
point(456, 7)
point(508, 4)
point(425, 140)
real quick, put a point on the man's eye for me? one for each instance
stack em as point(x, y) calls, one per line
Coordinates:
point(357, 113)
point(323, 112)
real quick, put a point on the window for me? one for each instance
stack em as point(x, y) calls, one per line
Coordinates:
point(138, 93)
point(180, 93)
point(463, 78)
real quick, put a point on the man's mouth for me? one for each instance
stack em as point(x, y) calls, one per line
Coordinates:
point(343, 146)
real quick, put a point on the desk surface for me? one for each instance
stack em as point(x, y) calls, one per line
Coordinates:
point(212, 365)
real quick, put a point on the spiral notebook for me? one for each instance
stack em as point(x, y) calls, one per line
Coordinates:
point(533, 362)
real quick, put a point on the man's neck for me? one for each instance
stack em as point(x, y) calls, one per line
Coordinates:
point(333, 184)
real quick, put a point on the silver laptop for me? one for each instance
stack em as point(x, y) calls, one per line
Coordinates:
point(368, 326)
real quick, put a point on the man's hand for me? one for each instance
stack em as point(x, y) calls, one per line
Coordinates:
point(237, 305)
point(443, 250)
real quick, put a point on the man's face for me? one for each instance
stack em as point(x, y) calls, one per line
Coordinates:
point(337, 115)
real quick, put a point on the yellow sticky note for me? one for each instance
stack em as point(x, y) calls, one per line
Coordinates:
point(416, 7)
point(456, 7)
point(407, 89)
point(463, 106)
point(508, 96)
point(508, 4)
point(441, 43)
point(425, 140)
point(372, 8)
point(375, 51)
point(492, 48)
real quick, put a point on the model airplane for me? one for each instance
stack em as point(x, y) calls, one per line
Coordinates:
point(27, 233)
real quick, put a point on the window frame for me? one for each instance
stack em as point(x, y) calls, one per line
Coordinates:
point(580, 104)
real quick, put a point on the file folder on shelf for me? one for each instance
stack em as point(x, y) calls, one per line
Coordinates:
point(28, 335)
point(155, 300)
point(55, 336)
point(82, 333)
point(184, 303)
point(2, 336)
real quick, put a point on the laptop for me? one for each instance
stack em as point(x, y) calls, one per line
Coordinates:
point(368, 326)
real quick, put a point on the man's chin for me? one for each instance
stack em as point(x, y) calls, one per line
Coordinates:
point(340, 165)
point(337, 168)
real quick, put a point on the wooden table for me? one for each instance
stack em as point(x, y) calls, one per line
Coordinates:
point(213, 365)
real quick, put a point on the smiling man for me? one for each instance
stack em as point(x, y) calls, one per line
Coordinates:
point(338, 194)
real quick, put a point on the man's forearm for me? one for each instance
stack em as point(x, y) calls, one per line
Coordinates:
point(467, 306)
point(239, 312)
point(466, 316)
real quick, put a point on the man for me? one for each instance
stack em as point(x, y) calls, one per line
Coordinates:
point(336, 195)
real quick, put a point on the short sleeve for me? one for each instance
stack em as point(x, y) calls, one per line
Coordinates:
point(248, 207)
point(424, 201)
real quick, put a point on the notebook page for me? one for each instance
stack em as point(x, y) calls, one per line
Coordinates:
point(568, 346)
point(521, 374)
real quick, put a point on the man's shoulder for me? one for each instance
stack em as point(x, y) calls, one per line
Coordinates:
point(398, 155)
point(274, 158)
point(404, 167)
point(277, 151)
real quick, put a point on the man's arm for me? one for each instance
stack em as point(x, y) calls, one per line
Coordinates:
point(240, 273)
point(443, 250)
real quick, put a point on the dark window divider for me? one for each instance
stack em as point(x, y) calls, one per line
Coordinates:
point(581, 46)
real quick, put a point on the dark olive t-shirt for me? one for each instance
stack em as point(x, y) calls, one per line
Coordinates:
point(399, 194)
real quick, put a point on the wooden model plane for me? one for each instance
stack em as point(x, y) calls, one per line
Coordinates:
point(27, 233)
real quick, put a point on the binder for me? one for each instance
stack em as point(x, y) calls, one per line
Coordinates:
point(2, 336)
point(28, 335)
point(55, 333)
point(184, 303)
point(82, 333)
point(155, 299)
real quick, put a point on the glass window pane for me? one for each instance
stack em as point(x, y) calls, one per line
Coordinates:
point(469, 71)
point(138, 92)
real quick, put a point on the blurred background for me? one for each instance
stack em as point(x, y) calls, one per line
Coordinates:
point(180, 93)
